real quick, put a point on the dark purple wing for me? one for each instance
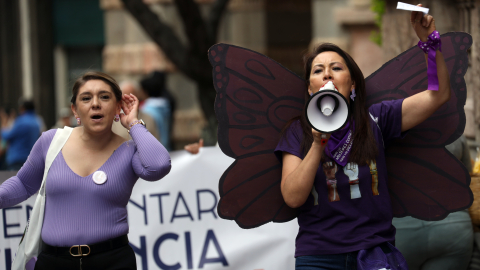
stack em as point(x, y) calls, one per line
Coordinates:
point(425, 180)
point(256, 97)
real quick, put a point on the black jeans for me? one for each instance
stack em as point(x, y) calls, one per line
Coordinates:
point(122, 258)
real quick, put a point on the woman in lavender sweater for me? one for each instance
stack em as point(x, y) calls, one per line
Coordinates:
point(90, 180)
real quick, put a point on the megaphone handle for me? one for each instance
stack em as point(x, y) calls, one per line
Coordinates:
point(324, 139)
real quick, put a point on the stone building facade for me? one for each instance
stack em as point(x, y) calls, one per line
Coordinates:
point(36, 63)
point(26, 55)
point(282, 29)
point(349, 24)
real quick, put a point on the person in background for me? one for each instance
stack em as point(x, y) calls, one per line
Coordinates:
point(159, 104)
point(9, 115)
point(66, 119)
point(21, 136)
point(41, 123)
point(129, 87)
point(444, 244)
point(194, 148)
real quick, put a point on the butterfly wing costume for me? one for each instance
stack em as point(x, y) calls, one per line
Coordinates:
point(257, 96)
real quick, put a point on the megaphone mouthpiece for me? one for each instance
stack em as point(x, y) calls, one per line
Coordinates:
point(327, 104)
point(328, 86)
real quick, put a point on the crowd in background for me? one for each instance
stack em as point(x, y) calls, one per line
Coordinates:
point(21, 126)
point(20, 130)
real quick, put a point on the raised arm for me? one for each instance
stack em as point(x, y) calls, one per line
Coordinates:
point(151, 160)
point(298, 175)
point(419, 107)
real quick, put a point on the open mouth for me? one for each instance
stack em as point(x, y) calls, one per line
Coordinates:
point(96, 116)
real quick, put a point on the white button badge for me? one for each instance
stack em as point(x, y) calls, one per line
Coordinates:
point(99, 177)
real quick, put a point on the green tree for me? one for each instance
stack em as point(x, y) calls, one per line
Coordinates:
point(378, 7)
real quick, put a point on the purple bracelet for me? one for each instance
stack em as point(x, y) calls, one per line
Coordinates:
point(430, 47)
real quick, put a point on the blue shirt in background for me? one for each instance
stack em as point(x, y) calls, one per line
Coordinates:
point(21, 137)
point(159, 109)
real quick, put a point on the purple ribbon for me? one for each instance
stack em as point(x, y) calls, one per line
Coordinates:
point(340, 144)
point(430, 47)
point(383, 256)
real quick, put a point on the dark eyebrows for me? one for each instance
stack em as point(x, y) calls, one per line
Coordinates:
point(331, 64)
point(89, 93)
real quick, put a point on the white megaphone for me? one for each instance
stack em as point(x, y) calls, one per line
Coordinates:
point(327, 110)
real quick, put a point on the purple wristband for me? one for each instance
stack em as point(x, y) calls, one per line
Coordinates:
point(430, 47)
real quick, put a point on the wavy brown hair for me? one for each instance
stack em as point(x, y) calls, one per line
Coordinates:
point(364, 148)
point(96, 75)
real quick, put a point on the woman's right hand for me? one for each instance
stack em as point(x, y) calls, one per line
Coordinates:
point(320, 138)
point(298, 175)
point(130, 110)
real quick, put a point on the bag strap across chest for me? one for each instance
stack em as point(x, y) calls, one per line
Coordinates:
point(59, 140)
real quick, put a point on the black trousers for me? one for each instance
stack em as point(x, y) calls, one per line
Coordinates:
point(122, 258)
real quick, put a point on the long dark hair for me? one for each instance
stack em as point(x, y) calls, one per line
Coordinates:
point(364, 148)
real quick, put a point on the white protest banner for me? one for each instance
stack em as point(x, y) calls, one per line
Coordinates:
point(174, 223)
point(13, 221)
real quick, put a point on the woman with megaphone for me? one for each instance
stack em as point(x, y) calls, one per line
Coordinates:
point(336, 153)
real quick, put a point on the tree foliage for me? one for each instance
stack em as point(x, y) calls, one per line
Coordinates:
point(378, 7)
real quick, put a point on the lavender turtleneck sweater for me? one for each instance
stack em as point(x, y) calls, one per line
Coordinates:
point(77, 210)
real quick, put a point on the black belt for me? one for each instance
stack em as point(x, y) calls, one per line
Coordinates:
point(85, 250)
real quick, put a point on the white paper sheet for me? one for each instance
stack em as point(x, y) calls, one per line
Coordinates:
point(409, 7)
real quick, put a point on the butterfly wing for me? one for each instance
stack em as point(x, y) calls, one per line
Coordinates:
point(256, 97)
point(425, 180)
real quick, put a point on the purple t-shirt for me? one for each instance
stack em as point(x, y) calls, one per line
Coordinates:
point(349, 207)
